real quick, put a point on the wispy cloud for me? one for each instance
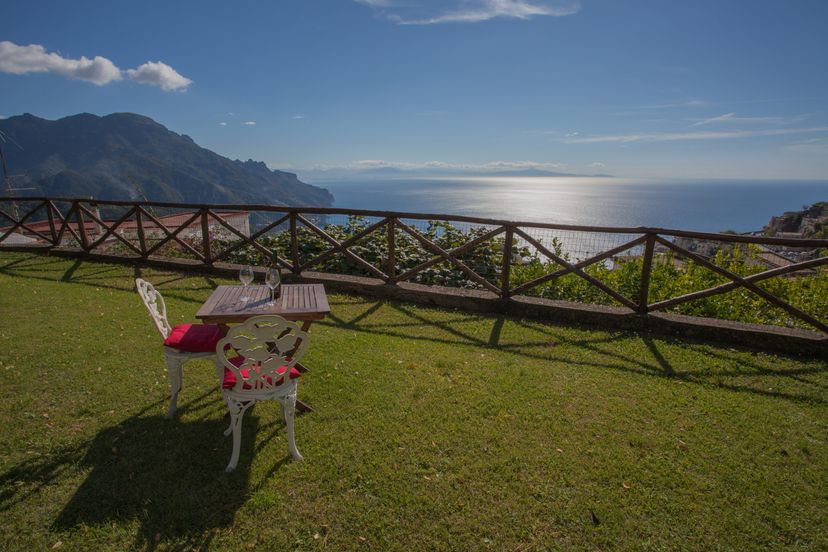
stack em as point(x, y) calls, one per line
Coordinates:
point(298, 116)
point(469, 11)
point(688, 103)
point(249, 123)
point(731, 118)
point(694, 135)
point(814, 145)
point(492, 166)
point(222, 123)
point(21, 60)
point(159, 74)
point(376, 3)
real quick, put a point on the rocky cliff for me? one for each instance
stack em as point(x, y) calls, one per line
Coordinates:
point(129, 156)
point(810, 222)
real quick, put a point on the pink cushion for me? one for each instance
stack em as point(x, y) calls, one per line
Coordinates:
point(195, 338)
point(230, 376)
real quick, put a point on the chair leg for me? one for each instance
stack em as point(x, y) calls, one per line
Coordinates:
point(289, 410)
point(237, 410)
point(174, 374)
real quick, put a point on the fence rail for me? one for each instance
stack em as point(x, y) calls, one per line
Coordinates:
point(45, 224)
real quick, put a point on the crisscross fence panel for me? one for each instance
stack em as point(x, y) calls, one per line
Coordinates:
point(643, 270)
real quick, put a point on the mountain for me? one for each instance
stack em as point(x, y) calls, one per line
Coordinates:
point(127, 156)
point(390, 172)
point(537, 172)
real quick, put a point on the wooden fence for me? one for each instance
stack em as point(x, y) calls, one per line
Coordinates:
point(44, 224)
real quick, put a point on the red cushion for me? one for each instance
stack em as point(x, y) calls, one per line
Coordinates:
point(230, 376)
point(195, 338)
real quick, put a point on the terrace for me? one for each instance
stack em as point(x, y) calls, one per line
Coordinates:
point(759, 291)
point(548, 424)
point(433, 429)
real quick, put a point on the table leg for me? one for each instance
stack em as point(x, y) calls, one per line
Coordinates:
point(300, 406)
point(299, 366)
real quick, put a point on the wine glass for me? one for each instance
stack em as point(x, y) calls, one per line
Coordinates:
point(272, 279)
point(246, 276)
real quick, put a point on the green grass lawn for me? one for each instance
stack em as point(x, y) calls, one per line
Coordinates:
point(433, 430)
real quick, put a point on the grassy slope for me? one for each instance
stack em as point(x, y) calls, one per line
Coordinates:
point(433, 430)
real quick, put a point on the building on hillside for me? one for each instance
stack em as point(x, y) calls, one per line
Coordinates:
point(239, 220)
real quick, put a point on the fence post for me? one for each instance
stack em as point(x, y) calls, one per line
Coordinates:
point(506, 268)
point(205, 238)
point(294, 243)
point(142, 240)
point(99, 229)
point(81, 226)
point(391, 267)
point(51, 216)
point(644, 290)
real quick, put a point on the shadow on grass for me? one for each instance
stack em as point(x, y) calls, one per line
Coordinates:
point(166, 476)
point(89, 273)
point(716, 367)
point(603, 350)
point(666, 367)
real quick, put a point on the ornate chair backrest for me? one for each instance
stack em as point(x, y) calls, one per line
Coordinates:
point(155, 305)
point(264, 344)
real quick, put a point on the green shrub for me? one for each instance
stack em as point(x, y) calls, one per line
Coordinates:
point(669, 277)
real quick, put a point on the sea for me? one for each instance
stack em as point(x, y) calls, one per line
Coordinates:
point(703, 205)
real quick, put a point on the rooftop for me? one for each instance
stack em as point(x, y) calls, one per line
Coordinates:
point(169, 221)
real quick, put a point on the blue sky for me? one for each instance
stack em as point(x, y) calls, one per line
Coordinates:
point(701, 88)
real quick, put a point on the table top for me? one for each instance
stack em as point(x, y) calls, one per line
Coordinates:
point(296, 302)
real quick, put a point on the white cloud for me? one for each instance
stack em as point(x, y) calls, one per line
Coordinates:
point(20, 60)
point(470, 11)
point(298, 116)
point(597, 164)
point(222, 123)
point(696, 135)
point(33, 58)
point(158, 73)
point(249, 123)
point(732, 118)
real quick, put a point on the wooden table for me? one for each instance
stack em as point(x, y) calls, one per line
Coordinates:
point(305, 302)
point(297, 302)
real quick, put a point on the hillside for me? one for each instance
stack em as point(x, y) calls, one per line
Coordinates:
point(124, 156)
point(810, 222)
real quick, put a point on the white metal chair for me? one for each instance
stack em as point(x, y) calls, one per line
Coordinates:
point(255, 362)
point(182, 342)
